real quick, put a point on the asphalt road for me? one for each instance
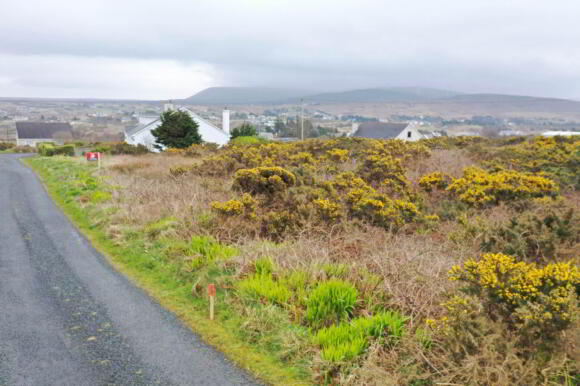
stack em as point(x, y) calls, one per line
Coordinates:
point(68, 318)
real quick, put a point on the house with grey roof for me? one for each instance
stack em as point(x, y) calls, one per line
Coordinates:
point(415, 132)
point(392, 130)
point(378, 130)
point(141, 133)
point(32, 133)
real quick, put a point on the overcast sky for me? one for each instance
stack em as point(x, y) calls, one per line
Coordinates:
point(167, 49)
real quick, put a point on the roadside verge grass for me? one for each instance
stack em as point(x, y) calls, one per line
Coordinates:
point(66, 180)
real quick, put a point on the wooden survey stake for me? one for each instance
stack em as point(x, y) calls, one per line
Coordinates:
point(211, 291)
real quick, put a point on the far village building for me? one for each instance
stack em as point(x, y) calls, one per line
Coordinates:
point(32, 133)
point(390, 130)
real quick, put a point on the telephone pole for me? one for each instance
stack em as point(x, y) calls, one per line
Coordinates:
point(302, 119)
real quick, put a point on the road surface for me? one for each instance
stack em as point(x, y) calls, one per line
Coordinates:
point(68, 318)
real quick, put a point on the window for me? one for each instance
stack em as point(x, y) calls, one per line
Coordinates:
point(408, 134)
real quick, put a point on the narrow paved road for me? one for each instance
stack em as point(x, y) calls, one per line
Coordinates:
point(68, 318)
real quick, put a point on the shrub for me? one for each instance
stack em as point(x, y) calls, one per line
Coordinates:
point(535, 237)
point(328, 210)
point(246, 205)
point(266, 180)
point(49, 149)
point(68, 150)
point(544, 298)
point(247, 140)
point(338, 155)
point(348, 340)
point(435, 180)
point(6, 146)
point(125, 148)
point(245, 130)
point(331, 301)
point(478, 187)
point(380, 210)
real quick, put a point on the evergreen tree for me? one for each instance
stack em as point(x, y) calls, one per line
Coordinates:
point(245, 130)
point(177, 130)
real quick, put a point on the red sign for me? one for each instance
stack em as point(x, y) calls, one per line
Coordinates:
point(211, 289)
point(92, 156)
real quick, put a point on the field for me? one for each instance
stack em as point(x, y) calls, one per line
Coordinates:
point(352, 261)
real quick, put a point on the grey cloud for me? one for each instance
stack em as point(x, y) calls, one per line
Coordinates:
point(525, 47)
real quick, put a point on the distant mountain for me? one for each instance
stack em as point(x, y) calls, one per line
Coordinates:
point(495, 102)
point(391, 94)
point(243, 95)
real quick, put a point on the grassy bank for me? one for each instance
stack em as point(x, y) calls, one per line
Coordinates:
point(142, 260)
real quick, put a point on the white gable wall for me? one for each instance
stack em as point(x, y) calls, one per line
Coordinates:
point(410, 133)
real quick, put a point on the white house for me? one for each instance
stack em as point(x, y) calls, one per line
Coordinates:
point(33, 133)
point(414, 132)
point(391, 130)
point(141, 134)
point(560, 133)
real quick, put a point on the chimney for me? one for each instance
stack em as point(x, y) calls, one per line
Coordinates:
point(168, 106)
point(226, 120)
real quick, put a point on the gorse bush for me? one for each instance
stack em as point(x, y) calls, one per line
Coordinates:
point(523, 293)
point(478, 187)
point(263, 180)
point(548, 237)
point(331, 302)
point(435, 180)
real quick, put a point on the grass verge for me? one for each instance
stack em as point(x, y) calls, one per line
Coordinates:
point(141, 262)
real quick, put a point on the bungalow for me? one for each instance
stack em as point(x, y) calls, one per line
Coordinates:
point(389, 130)
point(378, 130)
point(414, 132)
point(141, 133)
point(33, 133)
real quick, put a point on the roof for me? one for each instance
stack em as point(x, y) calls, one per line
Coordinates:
point(379, 130)
point(41, 130)
point(154, 122)
point(432, 133)
point(137, 128)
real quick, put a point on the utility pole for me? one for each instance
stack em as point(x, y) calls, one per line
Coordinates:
point(302, 119)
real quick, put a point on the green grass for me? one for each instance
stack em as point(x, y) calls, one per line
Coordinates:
point(257, 341)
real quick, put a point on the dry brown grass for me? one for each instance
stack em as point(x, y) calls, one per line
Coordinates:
point(451, 162)
point(148, 192)
point(412, 266)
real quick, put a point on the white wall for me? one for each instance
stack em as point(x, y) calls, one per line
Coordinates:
point(404, 135)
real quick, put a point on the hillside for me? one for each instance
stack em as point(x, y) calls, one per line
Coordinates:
point(243, 95)
point(393, 94)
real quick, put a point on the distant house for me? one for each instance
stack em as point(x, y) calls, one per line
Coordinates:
point(560, 133)
point(389, 130)
point(32, 133)
point(378, 130)
point(141, 133)
point(415, 133)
